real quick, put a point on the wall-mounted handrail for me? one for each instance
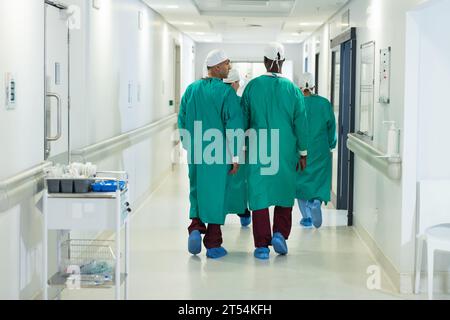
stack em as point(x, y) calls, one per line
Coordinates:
point(391, 167)
point(30, 182)
point(22, 185)
point(123, 141)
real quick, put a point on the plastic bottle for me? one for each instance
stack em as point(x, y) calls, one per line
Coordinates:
point(392, 139)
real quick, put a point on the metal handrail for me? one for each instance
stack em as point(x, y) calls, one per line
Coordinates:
point(130, 138)
point(390, 166)
point(13, 189)
point(30, 182)
point(59, 116)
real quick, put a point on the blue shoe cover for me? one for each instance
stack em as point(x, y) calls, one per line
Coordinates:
point(279, 244)
point(216, 253)
point(262, 253)
point(246, 221)
point(306, 223)
point(316, 213)
point(195, 242)
point(304, 209)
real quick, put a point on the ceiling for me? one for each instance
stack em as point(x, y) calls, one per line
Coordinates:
point(247, 21)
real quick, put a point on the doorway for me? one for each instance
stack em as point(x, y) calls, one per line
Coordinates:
point(57, 83)
point(251, 70)
point(343, 101)
point(177, 77)
point(317, 72)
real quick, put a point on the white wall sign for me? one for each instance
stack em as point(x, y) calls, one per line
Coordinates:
point(367, 96)
point(140, 20)
point(385, 76)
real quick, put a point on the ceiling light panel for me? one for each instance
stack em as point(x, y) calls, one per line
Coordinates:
point(249, 8)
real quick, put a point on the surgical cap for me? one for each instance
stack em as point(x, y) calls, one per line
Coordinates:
point(233, 76)
point(274, 51)
point(216, 57)
point(307, 81)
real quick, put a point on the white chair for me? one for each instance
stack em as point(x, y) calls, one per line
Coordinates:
point(433, 225)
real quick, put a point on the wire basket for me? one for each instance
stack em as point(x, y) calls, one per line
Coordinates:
point(94, 260)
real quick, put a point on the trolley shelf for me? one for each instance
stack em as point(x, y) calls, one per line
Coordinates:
point(90, 195)
point(92, 212)
point(60, 280)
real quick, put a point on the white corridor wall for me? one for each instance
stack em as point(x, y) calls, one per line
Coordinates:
point(380, 214)
point(427, 111)
point(108, 53)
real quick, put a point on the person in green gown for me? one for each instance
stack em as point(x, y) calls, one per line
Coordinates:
point(237, 193)
point(314, 183)
point(209, 108)
point(275, 115)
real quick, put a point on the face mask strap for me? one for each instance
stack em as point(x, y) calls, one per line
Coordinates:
point(277, 60)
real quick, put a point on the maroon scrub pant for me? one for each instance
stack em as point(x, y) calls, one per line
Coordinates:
point(282, 223)
point(212, 232)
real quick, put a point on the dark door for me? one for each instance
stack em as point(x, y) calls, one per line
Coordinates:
point(344, 126)
point(343, 96)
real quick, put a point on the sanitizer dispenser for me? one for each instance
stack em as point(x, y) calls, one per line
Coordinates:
point(392, 139)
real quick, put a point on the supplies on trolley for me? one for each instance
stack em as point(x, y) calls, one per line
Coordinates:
point(80, 178)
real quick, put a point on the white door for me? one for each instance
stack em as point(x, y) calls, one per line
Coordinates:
point(177, 78)
point(57, 83)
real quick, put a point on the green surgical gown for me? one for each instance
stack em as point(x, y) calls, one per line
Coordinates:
point(216, 106)
point(237, 199)
point(314, 183)
point(273, 104)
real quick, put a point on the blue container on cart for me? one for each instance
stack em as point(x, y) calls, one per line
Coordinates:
point(108, 186)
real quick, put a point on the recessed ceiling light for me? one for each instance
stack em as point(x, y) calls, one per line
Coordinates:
point(295, 34)
point(188, 23)
point(310, 24)
point(172, 6)
point(200, 33)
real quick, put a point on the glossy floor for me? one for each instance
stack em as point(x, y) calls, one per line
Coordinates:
point(330, 263)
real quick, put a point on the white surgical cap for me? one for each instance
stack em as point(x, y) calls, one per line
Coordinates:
point(307, 81)
point(216, 57)
point(274, 51)
point(233, 76)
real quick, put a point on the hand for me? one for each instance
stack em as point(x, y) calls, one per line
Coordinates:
point(235, 169)
point(302, 164)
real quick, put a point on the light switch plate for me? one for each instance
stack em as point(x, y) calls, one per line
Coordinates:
point(139, 93)
point(10, 91)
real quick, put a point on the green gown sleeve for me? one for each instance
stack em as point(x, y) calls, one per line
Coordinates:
point(183, 111)
point(301, 125)
point(332, 136)
point(233, 119)
point(245, 105)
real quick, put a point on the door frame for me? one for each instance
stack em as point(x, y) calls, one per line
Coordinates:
point(177, 57)
point(317, 72)
point(347, 37)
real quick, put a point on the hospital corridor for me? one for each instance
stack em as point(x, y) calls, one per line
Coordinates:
point(224, 150)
